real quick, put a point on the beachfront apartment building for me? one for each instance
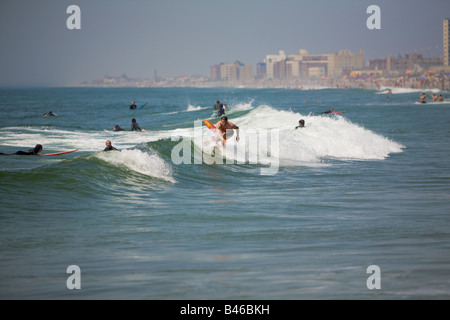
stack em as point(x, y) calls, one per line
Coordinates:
point(296, 66)
point(283, 67)
point(261, 70)
point(274, 64)
point(214, 72)
point(405, 63)
point(232, 72)
point(305, 65)
point(346, 62)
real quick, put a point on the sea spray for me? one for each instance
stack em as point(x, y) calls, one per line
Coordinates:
point(191, 108)
point(139, 161)
point(322, 137)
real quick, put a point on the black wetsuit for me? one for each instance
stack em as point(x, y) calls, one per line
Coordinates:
point(26, 153)
point(301, 124)
point(133, 106)
point(135, 127)
point(110, 148)
point(31, 152)
point(221, 111)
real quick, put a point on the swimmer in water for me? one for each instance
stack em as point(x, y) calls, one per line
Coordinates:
point(301, 124)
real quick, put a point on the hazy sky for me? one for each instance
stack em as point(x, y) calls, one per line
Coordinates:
point(186, 37)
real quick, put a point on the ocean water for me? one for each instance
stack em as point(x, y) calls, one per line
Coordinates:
point(282, 214)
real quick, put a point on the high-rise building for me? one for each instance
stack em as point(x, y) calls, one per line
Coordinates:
point(229, 72)
point(345, 62)
point(260, 70)
point(446, 42)
point(272, 69)
point(215, 72)
point(235, 71)
point(245, 72)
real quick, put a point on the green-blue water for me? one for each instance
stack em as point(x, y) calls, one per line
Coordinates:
point(368, 187)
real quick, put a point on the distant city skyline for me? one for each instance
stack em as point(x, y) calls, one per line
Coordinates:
point(186, 37)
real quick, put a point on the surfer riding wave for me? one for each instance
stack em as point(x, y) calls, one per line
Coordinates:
point(224, 129)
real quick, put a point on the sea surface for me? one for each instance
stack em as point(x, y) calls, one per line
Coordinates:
point(282, 214)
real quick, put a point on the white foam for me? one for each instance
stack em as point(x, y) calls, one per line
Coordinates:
point(142, 162)
point(241, 106)
point(395, 90)
point(323, 138)
point(89, 141)
point(191, 108)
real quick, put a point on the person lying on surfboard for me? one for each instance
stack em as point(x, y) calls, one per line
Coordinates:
point(223, 126)
point(117, 128)
point(32, 152)
point(48, 114)
point(329, 111)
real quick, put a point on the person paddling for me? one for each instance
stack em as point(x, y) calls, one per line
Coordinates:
point(49, 114)
point(32, 152)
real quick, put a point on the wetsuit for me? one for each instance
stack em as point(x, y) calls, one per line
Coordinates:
point(135, 127)
point(301, 124)
point(110, 148)
point(133, 106)
point(31, 152)
point(221, 111)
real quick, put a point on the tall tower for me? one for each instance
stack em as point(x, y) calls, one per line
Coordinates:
point(446, 42)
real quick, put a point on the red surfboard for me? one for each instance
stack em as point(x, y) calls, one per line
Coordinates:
point(209, 125)
point(336, 112)
point(58, 153)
